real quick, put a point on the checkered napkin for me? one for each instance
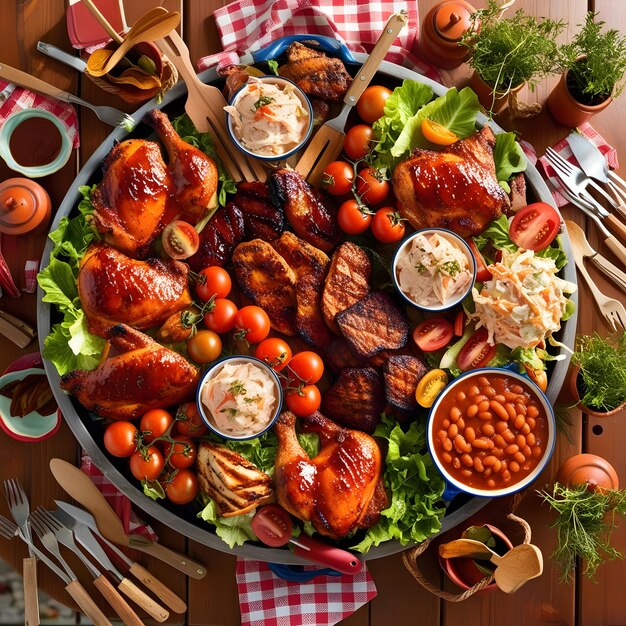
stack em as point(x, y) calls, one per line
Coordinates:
point(267, 600)
point(249, 25)
point(118, 501)
point(610, 154)
point(13, 98)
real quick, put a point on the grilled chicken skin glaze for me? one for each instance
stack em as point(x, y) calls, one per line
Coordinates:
point(338, 491)
point(136, 375)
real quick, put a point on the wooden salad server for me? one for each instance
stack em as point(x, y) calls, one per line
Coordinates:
point(79, 486)
point(327, 143)
point(514, 569)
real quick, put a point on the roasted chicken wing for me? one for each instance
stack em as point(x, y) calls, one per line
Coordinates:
point(339, 490)
point(136, 375)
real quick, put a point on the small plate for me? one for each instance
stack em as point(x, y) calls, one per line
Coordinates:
point(34, 426)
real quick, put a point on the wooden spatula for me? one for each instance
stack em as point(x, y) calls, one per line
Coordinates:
point(327, 143)
point(514, 569)
point(205, 106)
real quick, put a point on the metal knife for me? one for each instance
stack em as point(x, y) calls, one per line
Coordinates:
point(60, 55)
point(164, 593)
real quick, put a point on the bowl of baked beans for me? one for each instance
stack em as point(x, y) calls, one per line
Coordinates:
point(491, 432)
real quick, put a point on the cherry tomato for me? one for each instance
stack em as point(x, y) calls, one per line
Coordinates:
point(221, 318)
point(371, 188)
point(189, 422)
point(156, 422)
point(482, 272)
point(371, 104)
point(338, 177)
point(180, 240)
point(213, 281)
point(148, 468)
point(352, 219)
point(183, 488)
point(275, 352)
point(433, 334)
point(477, 352)
point(272, 525)
point(357, 143)
point(182, 454)
point(304, 401)
point(120, 439)
point(436, 133)
point(307, 366)
point(387, 225)
point(539, 377)
point(252, 323)
point(429, 387)
point(459, 323)
point(535, 226)
point(205, 346)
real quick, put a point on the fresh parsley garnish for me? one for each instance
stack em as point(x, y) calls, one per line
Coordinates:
point(237, 388)
point(262, 101)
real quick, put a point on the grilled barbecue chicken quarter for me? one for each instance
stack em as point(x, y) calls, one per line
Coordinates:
point(139, 194)
point(455, 188)
point(114, 288)
point(339, 490)
point(136, 375)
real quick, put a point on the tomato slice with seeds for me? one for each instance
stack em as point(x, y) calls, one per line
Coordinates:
point(477, 352)
point(535, 226)
point(433, 334)
point(437, 133)
point(482, 272)
point(429, 387)
point(272, 525)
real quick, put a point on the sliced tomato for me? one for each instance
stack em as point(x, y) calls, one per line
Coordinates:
point(535, 226)
point(459, 323)
point(482, 272)
point(429, 387)
point(539, 377)
point(437, 133)
point(272, 525)
point(433, 334)
point(477, 352)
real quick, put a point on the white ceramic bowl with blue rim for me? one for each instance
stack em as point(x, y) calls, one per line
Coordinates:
point(12, 122)
point(454, 239)
point(238, 360)
point(282, 83)
point(456, 486)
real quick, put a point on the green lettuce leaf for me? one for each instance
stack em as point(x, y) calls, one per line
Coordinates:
point(59, 283)
point(273, 65)
point(310, 443)
point(405, 101)
point(235, 531)
point(497, 234)
point(261, 450)
point(509, 159)
point(555, 252)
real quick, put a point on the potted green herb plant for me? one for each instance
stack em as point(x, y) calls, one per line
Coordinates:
point(507, 53)
point(598, 374)
point(594, 64)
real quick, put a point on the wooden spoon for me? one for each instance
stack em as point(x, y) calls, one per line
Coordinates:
point(155, 24)
point(514, 569)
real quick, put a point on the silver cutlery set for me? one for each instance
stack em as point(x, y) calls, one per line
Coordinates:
point(575, 185)
point(76, 530)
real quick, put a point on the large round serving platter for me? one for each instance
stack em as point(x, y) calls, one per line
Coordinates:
point(89, 433)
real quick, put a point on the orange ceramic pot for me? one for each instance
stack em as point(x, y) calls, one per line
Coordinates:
point(24, 207)
point(589, 469)
point(575, 383)
point(486, 96)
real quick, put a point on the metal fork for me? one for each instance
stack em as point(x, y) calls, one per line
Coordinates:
point(19, 506)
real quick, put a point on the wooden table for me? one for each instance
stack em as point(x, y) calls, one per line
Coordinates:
point(400, 600)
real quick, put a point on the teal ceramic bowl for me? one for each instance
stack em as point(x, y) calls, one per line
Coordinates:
point(12, 122)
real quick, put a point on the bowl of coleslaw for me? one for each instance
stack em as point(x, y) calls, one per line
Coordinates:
point(269, 118)
point(434, 269)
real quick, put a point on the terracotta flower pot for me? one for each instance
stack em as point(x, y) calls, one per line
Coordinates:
point(575, 383)
point(486, 97)
point(567, 110)
point(465, 573)
point(589, 469)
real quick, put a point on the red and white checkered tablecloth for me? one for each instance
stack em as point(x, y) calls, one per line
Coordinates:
point(249, 25)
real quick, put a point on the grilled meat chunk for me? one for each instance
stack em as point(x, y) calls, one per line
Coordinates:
point(315, 73)
point(303, 258)
point(309, 319)
point(373, 324)
point(312, 219)
point(338, 355)
point(401, 374)
point(236, 485)
point(264, 276)
point(518, 192)
point(339, 490)
point(261, 218)
point(356, 399)
point(321, 108)
point(347, 281)
point(219, 238)
point(455, 188)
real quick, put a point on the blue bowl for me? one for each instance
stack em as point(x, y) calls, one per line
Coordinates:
point(453, 485)
point(215, 369)
point(281, 82)
point(404, 248)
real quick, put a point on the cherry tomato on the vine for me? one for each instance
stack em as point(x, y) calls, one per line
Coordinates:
point(338, 177)
point(155, 422)
point(275, 352)
point(189, 422)
point(252, 324)
point(357, 143)
point(213, 281)
point(148, 468)
point(182, 454)
point(307, 366)
point(371, 187)
point(221, 318)
point(182, 488)
point(120, 438)
point(304, 401)
point(387, 225)
point(371, 105)
point(205, 346)
point(352, 218)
